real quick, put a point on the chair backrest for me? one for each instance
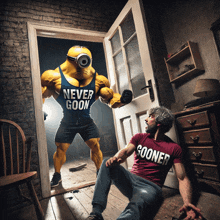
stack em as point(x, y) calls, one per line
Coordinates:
point(15, 151)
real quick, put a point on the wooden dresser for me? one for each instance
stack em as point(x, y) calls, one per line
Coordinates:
point(199, 136)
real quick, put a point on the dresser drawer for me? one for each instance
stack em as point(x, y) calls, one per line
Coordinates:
point(206, 171)
point(202, 154)
point(200, 136)
point(194, 120)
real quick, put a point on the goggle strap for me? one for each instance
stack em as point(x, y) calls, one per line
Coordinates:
point(71, 58)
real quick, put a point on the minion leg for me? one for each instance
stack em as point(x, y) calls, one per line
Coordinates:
point(96, 153)
point(59, 157)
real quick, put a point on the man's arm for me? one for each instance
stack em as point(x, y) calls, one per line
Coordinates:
point(185, 189)
point(121, 155)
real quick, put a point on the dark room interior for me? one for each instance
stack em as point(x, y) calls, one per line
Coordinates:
point(172, 46)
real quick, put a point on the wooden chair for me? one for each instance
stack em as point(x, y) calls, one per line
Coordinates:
point(15, 156)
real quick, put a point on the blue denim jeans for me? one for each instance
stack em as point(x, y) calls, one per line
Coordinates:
point(145, 197)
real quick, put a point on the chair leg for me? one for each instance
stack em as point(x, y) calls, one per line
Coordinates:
point(38, 208)
point(3, 207)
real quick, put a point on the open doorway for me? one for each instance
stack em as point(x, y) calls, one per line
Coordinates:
point(36, 30)
point(52, 53)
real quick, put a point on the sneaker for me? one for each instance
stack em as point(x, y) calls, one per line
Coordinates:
point(94, 216)
point(55, 180)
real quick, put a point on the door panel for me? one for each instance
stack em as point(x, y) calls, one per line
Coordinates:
point(129, 67)
point(120, 70)
point(128, 27)
point(128, 133)
point(127, 129)
point(142, 124)
point(135, 67)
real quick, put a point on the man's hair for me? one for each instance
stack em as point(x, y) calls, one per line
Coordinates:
point(163, 116)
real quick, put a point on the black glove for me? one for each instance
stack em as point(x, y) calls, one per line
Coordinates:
point(45, 116)
point(126, 96)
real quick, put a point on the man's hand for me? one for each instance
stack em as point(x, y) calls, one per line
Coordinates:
point(113, 161)
point(121, 155)
point(191, 211)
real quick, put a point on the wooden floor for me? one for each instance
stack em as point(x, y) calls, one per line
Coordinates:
point(76, 204)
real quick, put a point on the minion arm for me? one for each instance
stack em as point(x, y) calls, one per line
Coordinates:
point(50, 84)
point(108, 96)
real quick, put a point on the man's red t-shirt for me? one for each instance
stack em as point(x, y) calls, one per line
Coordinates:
point(154, 158)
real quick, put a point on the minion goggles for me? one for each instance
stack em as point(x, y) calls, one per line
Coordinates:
point(83, 60)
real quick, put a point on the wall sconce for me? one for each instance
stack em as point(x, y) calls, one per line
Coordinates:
point(207, 88)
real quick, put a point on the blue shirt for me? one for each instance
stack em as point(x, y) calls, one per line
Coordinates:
point(76, 101)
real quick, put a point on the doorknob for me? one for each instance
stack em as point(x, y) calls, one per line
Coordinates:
point(151, 91)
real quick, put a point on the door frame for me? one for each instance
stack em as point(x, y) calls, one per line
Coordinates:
point(51, 31)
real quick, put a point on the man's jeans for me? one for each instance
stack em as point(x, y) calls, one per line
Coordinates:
point(145, 197)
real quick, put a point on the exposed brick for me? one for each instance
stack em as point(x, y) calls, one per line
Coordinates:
point(46, 18)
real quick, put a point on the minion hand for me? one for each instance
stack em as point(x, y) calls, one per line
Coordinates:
point(126, 96)
point(45, 116)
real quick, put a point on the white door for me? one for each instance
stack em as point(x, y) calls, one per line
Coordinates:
point(129, 67)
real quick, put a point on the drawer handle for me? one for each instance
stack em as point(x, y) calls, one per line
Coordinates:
point(199, 173)
point(192, 122)
point(197, 156)
point(196, 138)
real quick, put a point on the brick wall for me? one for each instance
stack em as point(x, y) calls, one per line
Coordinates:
point(16, 96)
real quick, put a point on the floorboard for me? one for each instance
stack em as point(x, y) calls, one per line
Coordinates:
point(61, 213)
point(48, 210)
point(76, 204)
point(84, 200)
point(76, 207)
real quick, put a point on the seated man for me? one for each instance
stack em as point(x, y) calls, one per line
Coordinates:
point(155, 153)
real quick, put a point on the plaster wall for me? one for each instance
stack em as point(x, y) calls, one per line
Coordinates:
point(183, 21)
